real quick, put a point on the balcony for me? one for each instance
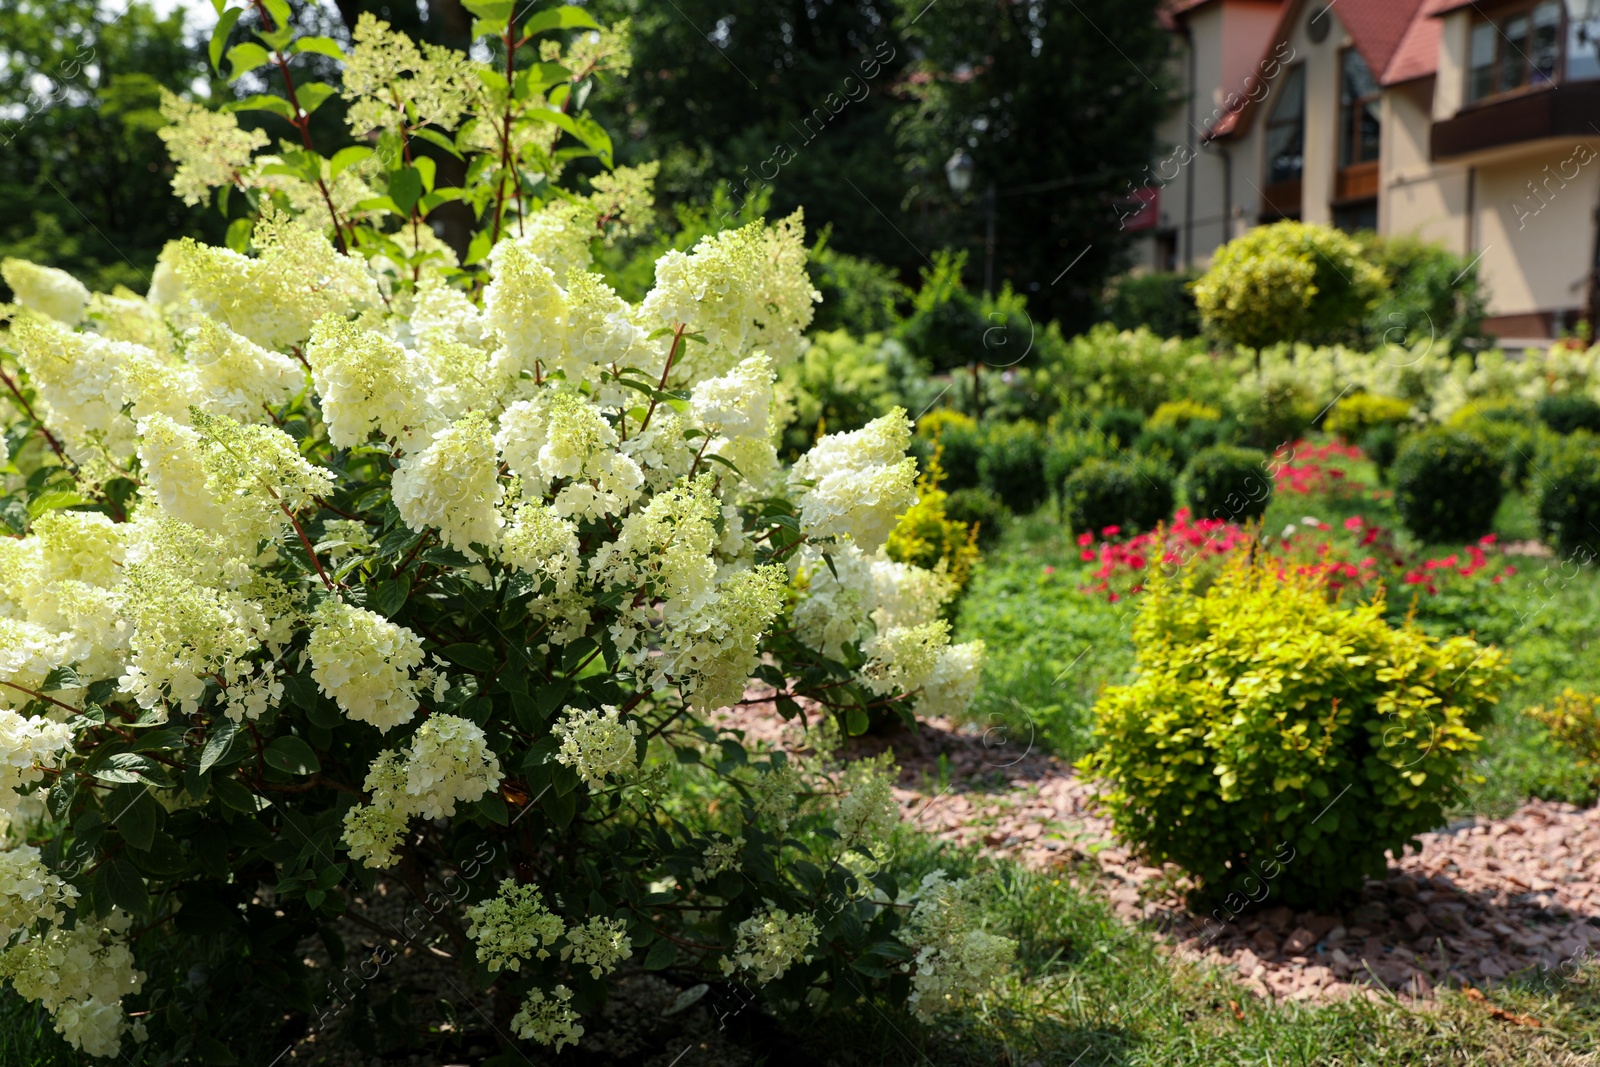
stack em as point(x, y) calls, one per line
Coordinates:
point(1567, 110)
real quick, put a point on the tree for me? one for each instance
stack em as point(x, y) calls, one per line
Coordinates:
point(1058, 106)
point(81, 89)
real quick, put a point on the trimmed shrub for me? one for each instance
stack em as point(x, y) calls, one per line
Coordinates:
point(839, 384)
point(1066, 452)
point(1011, 465)
point(1447, 486)
point(1180, 414)
point(1121, 425)
point(1228, 483)
point(1512, 430)
point(1178, 429)
point(1129, 495)
point(1381, 444)
point(1569, 497)
point(1574, 723)
point(1164, 302)
point(1279, 413)
point(1434, 296)
point(979, 510)
point(1275, 743)
point(1290, 281)
point(962, 445)
point(1353, 417)
point(926, 535)
point(1567, 413)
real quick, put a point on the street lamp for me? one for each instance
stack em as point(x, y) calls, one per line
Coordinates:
point(958, 171)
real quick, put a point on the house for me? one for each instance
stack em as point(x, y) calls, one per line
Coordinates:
point(1473, 123)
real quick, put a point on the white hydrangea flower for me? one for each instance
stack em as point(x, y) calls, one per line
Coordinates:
point(563, 437)
point(449, 762)
point(454, 484)
point(868, 812)
point(957, 960)
point(949, 690)
point(600, 329)
point(208, 146)
point(275, 297)
point(29, 892)
point(524, 306)
point(857, 484)
point(719, 856)
point(904, 657)
point(711, 652)
point(27, 744)
point(79, 546)
point(373, 831)
point(126, 316)
point(596, 743)
point(235, 377)
point(364, 662)
point(598, 944)
point(51, 292)
point(444, 315)
point(547, 1019)
point(774, 794)
point(542, 543)
point(738, 404)
point(80, 381)
point(770, 942)
point(80, 976)
point(367, 382)
point(513, 926)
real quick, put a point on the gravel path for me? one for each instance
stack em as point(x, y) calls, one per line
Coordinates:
point(1481, 900)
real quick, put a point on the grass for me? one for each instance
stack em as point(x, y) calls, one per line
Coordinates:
point(1088, 990)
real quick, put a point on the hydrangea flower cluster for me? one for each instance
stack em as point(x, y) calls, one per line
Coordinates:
point(957, 960)
point(261, 510)
point(770, 942)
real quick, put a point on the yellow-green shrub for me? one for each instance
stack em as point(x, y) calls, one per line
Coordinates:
point(935, 422)
point(1177, 414)
point(1574, 722)
point(1290, 281)
point(926, 535)
point(1275, 744)
point(1354, 416)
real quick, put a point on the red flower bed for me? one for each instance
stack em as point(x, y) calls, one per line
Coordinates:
point(1304, 468)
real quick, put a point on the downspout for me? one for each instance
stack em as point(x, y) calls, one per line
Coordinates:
point(1188, 178)
point(1227, 192)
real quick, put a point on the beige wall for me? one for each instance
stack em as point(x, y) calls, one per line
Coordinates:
point(1415, 195)
point(1536, 247)
point(1450, 83)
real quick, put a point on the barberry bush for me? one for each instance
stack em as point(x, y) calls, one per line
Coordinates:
point(342, 556)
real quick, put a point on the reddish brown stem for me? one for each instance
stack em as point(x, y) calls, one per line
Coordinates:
point(27, 409)
point(677, 339)
point(304, 540)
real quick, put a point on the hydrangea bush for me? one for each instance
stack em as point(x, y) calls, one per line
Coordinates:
point(339, 556)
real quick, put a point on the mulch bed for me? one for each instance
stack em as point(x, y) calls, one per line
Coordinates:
point(1480, 901)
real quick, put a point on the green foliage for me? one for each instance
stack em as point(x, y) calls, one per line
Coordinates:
point(1119, 426)
point(979, 510)
point(1569, 496)
point(629, 264)
point(1512, 430)
point(83, 170)
point(1234, 484)
point(1066, 452)
point(946, 326)
point(1105, 368)
point(1447, 486)
point(1162, 302)
point(1011, 465)
point(1434, 296)
point(1567, 413)
point(928, 537)
point(1276, 745)
point(840, 383)
point(1289, 281)
point(1353, 417)
point(859, 295)
point(1278, 412)
point(1132, 495)
point(1573, 720)
point(962, 444)
point(1178, 429)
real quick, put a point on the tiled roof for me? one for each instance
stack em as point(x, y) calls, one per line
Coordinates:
point(1418, 54)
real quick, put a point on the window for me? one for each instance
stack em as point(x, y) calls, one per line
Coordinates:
point(1518, 50)
point(1286, 129)
point(1362, 215)
point(1583, 40)
point(1358, 111)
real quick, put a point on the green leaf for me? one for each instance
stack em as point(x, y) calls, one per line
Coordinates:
point(565, 17)
point(128, 767)
point(125, 886)
point(434, 137)
point(214, 1053)
point(325, 46)
point(281, 14)
point(561, 807)
point(238, 236)
point(261, 102)
point(493, 808)
point(234, 795)
point(856, 722)
point(219, 36)
point(62, 793)
point(52, 500)
point(61, 678)
point(428, 169)
point(348, 157)
point(133, 813)
point(243, 58)
point(289, 753)
point(218, 744)
point(389, 596)
point(471, 656)
point(405, 188)
point(312, 95)
point(662, 954)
